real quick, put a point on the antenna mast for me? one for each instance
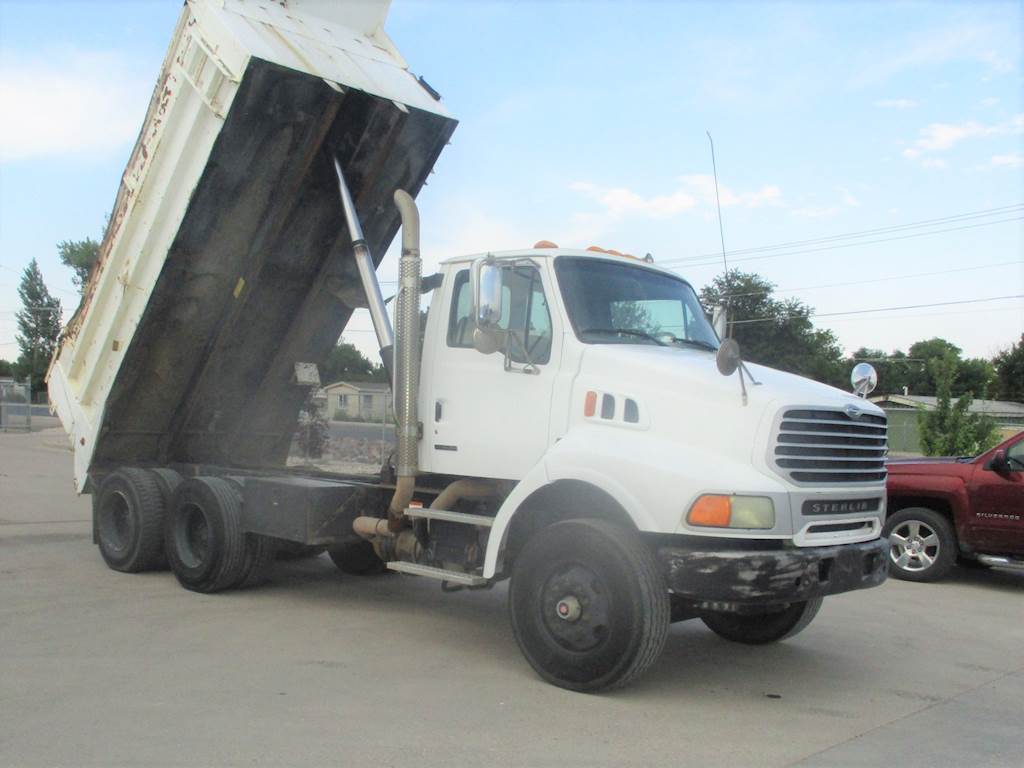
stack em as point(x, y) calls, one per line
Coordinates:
point(718, 202)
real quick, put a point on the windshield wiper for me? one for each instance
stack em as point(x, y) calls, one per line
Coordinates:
point(627, 332)
point(695, 343)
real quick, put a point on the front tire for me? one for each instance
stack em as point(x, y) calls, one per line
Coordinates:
point(922, 545)
point(763, 628)
point(589, 606)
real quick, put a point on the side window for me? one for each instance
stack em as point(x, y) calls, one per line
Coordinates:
point(525, 316)
point(460, 324)
point(1015, 455)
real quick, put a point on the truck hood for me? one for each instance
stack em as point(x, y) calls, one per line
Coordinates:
point(692, 371)
point(684, 399)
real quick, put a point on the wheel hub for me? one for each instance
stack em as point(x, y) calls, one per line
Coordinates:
point(575, 608)
point(569, 608)
point(914, 546)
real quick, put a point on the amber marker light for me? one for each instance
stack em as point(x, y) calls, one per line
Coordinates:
point(590, 404)
point(716, 511)
point(712, 511)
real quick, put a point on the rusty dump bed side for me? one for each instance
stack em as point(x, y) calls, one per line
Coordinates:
point(260, 274)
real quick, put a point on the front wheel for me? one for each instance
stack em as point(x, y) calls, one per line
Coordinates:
point(922, 545)
point(589, 607)
point(762, 628)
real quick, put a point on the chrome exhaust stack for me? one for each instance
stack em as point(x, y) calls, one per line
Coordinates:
point(407, 359)
point(403, 363)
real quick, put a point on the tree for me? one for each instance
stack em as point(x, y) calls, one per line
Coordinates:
point(920, 380)
point(976, 376)
point(38, 326)
point(1009, 372)
point(312, 433)
point(776, 333)
point(951, 429)
point(80, 256)
point(6, 368)
point(346, 363)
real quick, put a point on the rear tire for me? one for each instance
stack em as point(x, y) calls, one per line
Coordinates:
point(260, 554)
point(589, 606)
point(205, 545)
point(129, 511)
point(356, 558)
point(763, 628)
point(922, 545)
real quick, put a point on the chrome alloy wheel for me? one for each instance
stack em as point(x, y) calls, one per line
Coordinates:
point(913, 546)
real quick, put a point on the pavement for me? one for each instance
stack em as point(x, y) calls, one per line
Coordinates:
point(99, 668)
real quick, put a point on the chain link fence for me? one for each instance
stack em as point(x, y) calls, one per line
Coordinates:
point(15, 407)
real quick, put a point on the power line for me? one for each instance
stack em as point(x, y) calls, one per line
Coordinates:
point(877, 309)
point(872, 280)
point(1016, 207)
point(845, 245)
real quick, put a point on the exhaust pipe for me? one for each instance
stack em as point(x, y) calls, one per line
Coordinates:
point(407, 360)
point(404, 368)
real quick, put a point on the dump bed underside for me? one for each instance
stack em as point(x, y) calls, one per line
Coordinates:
point(260, 274)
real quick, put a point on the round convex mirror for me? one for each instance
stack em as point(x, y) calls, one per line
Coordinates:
point(728, 358)
point(863, 379)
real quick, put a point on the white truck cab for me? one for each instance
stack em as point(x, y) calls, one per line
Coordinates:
point(609, 379)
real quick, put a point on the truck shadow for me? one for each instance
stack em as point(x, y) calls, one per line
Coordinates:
point(477, 623)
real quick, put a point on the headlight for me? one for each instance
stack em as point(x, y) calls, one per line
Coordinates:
point(714, 511)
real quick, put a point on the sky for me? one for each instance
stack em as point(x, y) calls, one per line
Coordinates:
point(889, 135)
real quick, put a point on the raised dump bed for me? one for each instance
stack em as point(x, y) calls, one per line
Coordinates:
point(227, 260)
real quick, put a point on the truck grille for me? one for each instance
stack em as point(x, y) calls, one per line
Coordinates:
point(825, 446)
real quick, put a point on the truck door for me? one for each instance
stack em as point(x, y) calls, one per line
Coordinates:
point(487, 415)
point(997, 504)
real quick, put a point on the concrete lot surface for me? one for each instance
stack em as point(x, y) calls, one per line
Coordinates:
point(99, 668)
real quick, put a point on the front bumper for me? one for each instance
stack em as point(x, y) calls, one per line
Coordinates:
point(767, 577)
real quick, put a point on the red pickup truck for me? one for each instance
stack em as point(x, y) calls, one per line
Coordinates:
point(944, 510)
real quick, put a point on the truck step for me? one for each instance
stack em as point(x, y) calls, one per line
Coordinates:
point(481, 521)
point(455, 577)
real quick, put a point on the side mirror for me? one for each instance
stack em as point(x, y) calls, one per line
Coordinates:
point(485, 275)
point(863, 379)
point(998, 462)
point(720, 320)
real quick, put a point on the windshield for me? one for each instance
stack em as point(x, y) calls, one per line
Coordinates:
point(614, 303)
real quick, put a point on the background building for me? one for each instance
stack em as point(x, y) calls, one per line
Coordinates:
point(902, 412)
point(359, 401)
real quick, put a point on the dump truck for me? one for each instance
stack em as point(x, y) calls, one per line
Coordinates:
point(570, 421)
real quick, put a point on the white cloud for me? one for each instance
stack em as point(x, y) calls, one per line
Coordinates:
point(940, 137)
point(991, 101)
point(938, 46)
point(619, 201)
point(897, 103)
point(80, 103)
point(694, 190)
point(1012, 160)
point(936, 163)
